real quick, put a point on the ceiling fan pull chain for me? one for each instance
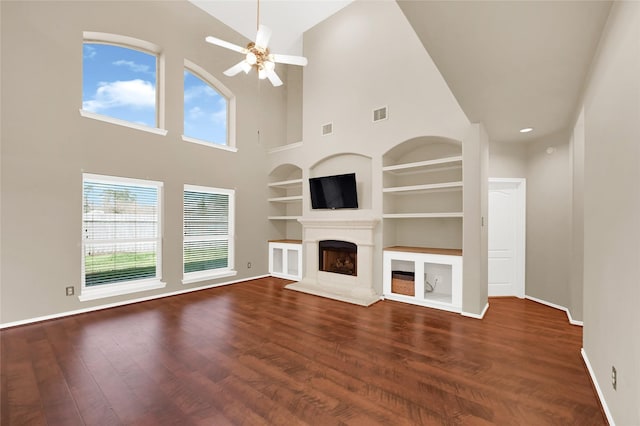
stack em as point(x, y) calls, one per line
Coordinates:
point(258, 17)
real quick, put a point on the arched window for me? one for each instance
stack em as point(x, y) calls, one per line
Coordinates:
point(120, 78)
point(209, 109)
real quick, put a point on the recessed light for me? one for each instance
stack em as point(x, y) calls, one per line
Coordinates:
point(526, 130)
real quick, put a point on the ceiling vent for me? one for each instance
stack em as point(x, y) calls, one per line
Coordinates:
point(327, 129)
point(380, 114)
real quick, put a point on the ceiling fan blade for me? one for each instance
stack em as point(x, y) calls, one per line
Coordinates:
point(263, 36)
point(273, 78)
point(237, 68)
point(225, 44)
point(291, 60)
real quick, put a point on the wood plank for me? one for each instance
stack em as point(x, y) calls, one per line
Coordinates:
point(286, 241)
point(255, 353)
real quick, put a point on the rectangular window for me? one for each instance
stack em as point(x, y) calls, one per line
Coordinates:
point(208, 233)
point(121, 236)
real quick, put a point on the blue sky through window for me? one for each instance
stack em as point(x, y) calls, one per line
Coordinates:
point(119, 82)
point(205, 111)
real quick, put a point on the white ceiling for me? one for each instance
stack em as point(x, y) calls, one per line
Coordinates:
point(510, 64)
point(288, 19)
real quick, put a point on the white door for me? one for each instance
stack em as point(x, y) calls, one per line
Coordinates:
point(506, 237)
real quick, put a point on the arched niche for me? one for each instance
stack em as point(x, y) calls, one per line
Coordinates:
point(348, 163)
point(422, 148)
point(285, 172)
point(423, 193)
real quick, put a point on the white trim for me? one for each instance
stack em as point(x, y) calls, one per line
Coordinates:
point(476, 316)
point(108, 179)
point(208, 275)
point(132, 286)
point(521, 234)
point(117, 39)
point(124, 123)
point(101, 292)
point(210, 144)
point(592, 374)
point(126, 302)
point(553, 305)
point(284, 147)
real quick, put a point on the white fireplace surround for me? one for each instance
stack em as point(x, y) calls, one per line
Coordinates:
point(353, 289)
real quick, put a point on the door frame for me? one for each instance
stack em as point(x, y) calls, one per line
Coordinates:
point(521, 229)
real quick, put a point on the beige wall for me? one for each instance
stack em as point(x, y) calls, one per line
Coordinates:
point(576, 273)
point(549, 220)
point(612, 213)
point(47, 145)
point(507, 160)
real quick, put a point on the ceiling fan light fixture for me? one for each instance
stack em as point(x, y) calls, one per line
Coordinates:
point(269, 66)
point(258, 56)
point(252, 59)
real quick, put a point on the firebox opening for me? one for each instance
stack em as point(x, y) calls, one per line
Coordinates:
point(339, 257)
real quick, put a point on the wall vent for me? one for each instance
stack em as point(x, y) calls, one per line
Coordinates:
point(327, 129)
point(380, 114)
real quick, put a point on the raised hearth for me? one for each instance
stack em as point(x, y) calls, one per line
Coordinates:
point(357, 288)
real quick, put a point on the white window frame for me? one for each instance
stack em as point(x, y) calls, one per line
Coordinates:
point(229, 271)
point(124, 287)
point(145, 47)
point(217, 85)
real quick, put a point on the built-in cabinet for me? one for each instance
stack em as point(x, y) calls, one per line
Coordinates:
point(422, 223)
point(423, 276)
point(285, 259)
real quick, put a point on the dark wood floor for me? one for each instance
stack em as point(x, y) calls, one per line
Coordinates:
point(255, 353)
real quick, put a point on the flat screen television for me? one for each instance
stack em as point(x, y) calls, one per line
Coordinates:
point(334, 192)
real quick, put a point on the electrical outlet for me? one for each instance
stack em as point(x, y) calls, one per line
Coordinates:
point(614, 377)
point(248, 265)
point(69, 290)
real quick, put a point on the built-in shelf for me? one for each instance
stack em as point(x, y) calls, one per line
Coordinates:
point(285, 198)
point(283, 217)
point(286, 183)
point(425, 187)
point(290, 199)
point(421, 215)
point(422, 201)
point(426, 166)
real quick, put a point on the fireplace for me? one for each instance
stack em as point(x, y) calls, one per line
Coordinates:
point(339, 257)
point(352, 239)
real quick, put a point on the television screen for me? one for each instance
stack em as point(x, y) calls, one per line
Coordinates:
point(334, 192)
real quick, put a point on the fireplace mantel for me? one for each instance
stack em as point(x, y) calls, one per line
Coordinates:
point(353, 289)
point(339, 223)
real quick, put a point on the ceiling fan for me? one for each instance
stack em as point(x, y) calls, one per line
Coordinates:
point(258, 56)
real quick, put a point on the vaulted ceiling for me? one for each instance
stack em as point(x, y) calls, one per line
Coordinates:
point(510, 64)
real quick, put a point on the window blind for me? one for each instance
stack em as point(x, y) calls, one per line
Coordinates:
point(207, 229)
point(121, 236)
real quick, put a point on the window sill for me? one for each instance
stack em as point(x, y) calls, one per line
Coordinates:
point(209, 276)
point(125, 123)
point(100, 292)
point(210, 144)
